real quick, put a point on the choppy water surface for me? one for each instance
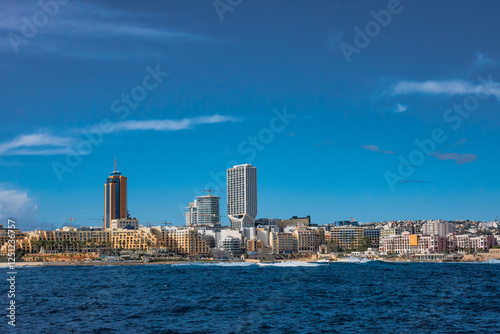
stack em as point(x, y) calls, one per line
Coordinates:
point(371, 297)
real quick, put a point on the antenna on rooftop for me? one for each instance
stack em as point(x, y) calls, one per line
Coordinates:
point(115, 163)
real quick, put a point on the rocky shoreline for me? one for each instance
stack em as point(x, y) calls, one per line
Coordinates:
point(468, 258)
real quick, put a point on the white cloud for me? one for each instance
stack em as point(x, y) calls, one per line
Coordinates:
point(79, 29)
point(447, 87)
point(51, 151)
point(17, 205)
point(400, 108)
point(46, 144)
point(37, 144)
point(172, 125)
point(484, 61)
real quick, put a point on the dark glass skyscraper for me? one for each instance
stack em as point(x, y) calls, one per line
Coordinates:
point(115, 197)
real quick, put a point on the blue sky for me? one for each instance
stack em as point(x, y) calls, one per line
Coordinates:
point(347, 148)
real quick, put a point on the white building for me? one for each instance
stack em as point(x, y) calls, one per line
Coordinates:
point(242, 196)
point(208, 209)
point(204, 210)
point(232, 245)
point(191, 211)
point(441, 229)
point(225, 233)
point(125, 223)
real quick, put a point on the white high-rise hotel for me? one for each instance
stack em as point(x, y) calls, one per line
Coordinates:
point(242, 196)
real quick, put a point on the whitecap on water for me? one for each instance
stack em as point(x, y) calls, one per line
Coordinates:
point(353, 259)
point(289, 264)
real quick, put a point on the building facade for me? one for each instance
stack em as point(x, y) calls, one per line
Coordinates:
point(125, 223)
point(242, 196)
point(282, 243)
point(115, 198)
point(208, 211)
point(347, 237)
point(191, 212)
point(294, 221)
point(438, 228)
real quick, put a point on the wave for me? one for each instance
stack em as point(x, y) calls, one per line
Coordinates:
point(249, 264)
point(232, 264)
point(353, 259)
point(492, 261)
point(217, 264)
point(289, 264)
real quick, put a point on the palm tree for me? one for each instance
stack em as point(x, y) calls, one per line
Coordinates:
point(64, 244)
point(74, 245)
point(52, 243)
point(35, 244)
point(43, 244)
point(59, 246)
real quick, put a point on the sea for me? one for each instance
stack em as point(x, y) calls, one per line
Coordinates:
point(288, 297)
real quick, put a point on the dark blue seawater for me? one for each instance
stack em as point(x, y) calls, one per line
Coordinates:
point(371, 297)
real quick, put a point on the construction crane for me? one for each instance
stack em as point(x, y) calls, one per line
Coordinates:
point(210, 190)
point(154, 224)
point(70, 220)
point(97, 219)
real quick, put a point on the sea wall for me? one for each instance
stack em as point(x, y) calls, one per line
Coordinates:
point(60, 257)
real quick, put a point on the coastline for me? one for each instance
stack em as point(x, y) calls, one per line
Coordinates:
point(474, 258)
point(93, 263)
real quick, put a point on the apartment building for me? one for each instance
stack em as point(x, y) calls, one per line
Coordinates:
point(305, 240)
point(282, 242)
point(347, 237)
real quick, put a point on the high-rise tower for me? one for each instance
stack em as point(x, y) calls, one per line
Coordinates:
point(242, 196)
point(115, 197)
point(204, 210)
point(208, 209)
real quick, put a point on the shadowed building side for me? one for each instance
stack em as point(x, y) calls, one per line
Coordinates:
point(115, 198)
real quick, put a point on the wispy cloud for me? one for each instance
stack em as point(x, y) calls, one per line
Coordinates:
point(47, 144)
point(459, 142)
point(445, 87)
point(82, 29)
point(400, 108)
point(375, 148)
point(172, 125)
point(484, 61)
point(459, 158)
point(36, 144)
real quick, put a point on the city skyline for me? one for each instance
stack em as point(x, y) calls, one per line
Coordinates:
point(331, 114)
point(279, 166)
